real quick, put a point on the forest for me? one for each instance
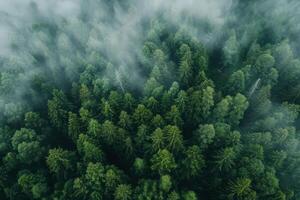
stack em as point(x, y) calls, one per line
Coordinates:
point(150, 100)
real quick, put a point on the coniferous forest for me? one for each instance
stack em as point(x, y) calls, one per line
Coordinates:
point(150, 100)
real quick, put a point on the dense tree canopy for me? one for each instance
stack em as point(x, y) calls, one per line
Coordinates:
point(192, 119)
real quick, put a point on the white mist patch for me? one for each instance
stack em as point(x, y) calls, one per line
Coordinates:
point(21, 14)
point(50, 8)
point(212, 10)
point(4, 40)
point(122, 38)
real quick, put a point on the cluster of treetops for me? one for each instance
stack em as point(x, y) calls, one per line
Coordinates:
point(203, 124)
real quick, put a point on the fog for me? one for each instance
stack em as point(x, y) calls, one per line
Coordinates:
point(117, 31)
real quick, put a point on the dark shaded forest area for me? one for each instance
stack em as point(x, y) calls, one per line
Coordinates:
point(158, 100)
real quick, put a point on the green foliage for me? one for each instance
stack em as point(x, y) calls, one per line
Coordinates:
point(240, 189)
point(189, 195)
point(123, 192)
point(165, 183)
point(142, 115)
point(157, 140)
point(240, 105)
point(57, 109)
point(231, 51)
point(174, 140)
point(73, 126)
point(236, 82)
point(204, 135)
point(193, 163)
point(163, 162)
point(200, 105)
point(60, 161)
point(225, 159)
point(34, 185)
point(27, 145)
point(33, 120)
point(152, 109)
